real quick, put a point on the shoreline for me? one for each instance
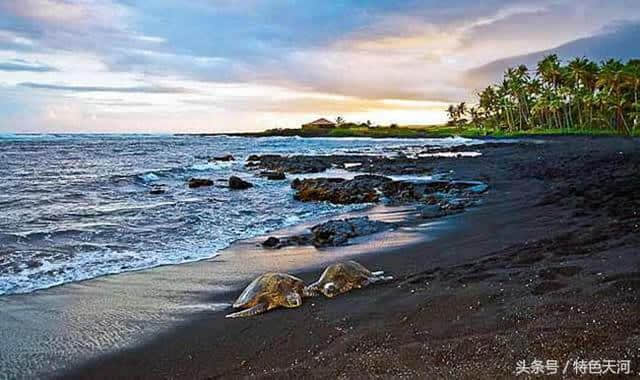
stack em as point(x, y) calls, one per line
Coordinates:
point(498, 254)
point(471, 303)
point(207, 285)
point(412, 133)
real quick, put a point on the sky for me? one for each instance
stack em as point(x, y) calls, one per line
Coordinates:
point(167, 66)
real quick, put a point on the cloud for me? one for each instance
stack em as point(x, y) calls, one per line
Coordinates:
point(134, 89)
point(22, 65)
point(619, 41)
point(66, 13)
point(256, 63)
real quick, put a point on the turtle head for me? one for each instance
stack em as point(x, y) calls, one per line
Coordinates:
point(330, 289)
point(292, 299)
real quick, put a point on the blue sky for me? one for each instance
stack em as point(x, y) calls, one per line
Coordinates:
point(240, 65)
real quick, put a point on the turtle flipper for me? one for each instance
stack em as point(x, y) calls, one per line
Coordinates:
point(377, 279)
point(378, 273)
point(310, 291)
point(258, 309)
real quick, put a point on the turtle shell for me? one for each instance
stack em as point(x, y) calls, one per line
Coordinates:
point(348, 271)
point(269, 287)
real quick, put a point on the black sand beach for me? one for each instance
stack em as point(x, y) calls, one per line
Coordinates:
point(546, 268)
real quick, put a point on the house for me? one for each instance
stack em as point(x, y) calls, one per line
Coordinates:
point(320, 123)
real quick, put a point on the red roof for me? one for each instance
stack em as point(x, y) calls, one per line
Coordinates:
point(321, 122)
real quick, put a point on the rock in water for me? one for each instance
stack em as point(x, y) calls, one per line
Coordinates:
point(236, 183)
point(199, 182)
point(361, 189)
point(290, 164)
point(338, 232)
point(226, 157)
point(274, 176)
point(157, 189)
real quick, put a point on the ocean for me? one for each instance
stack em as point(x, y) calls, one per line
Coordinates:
point(75, 207)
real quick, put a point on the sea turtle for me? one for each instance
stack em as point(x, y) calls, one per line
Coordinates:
point(341, 277)
point(269, 291)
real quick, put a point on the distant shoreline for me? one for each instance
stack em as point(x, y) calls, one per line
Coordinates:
point(411, 132)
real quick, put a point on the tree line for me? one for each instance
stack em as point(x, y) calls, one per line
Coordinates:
point(581, 94)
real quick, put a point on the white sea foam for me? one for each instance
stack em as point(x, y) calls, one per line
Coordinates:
point(213, 165)
point(103, 223)
point(150, 177)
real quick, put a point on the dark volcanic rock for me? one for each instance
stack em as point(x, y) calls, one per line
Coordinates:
point(236, 183)
point(361, 189)
point(158, 189)
point(199, 182)
point(403, 192)
point(370, 188)
point(273, 176)
point(227, 157)
point(271, 242)
point(338, 232)
point(277, 243)
point(331, 233)
point(360, 163)
point(290, 164)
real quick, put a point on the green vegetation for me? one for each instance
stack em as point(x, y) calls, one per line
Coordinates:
point(424, 131)
point(363, 130)
point(581, 97)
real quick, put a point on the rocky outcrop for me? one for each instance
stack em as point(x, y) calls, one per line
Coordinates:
point(199, 182)
point(299, 164)
point(272, 242)
point(277, 243)
point(372, 188)
point(237, 183)
point(361, 189)
point(338, 232)
point(330, 234)
point(290, 164)
point(273, 176)
point(226, 157)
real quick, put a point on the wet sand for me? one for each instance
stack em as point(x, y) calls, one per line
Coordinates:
point(546, 268)
point(53, 330)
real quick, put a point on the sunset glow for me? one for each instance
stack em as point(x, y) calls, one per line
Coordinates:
point(225, 66)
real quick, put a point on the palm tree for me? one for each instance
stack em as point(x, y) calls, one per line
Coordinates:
point(631, 74)
point(610, 81)
point(549, 70)
point(462, 109)
point(452, 111)
point(578, 94)
point(476, 119)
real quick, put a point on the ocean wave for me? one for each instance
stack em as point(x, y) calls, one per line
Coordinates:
point(149, 177)
point(107, 223)
point(181, 172)
point(213, 165)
